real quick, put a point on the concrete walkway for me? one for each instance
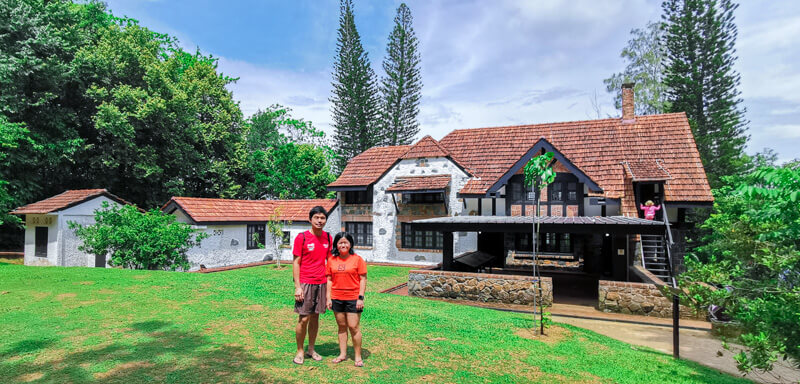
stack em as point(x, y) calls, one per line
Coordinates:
point(696, 342)
point(696, 345)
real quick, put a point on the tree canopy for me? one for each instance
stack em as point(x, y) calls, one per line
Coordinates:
point(401, 86)
point(355, 99)
point(645, 57)
point(752, 266)
point(699, 39)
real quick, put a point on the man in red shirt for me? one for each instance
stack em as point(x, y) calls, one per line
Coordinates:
point(311, 251)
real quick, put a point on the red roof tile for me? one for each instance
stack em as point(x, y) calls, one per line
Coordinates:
point(596, 147)
point(645, 170)
point(207, 210)
point(425, 147)
point(419, 183)
point(65, 200)
point(369, 166)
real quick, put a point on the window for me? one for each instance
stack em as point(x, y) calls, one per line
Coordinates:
point(517, 191)
point(362, 233)
point(572, 191)
point(548, 242)
point(286, 238)
point(556, 193)
point(358, 197)
point(421, 239)
point(40, 240)
point(255, 235)
point(423, 198)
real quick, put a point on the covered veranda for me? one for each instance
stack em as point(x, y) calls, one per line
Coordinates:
point(607, 247)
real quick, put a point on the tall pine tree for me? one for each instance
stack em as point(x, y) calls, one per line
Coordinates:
point(401, 86)
point(355, 97)
point(699, 38)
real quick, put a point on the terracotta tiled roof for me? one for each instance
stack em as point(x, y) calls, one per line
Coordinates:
point(65, 200)
point(206, 210)
point(425, 147)
point(419, 183)
point(645, 170)
point(596, 147)
point(369, 166)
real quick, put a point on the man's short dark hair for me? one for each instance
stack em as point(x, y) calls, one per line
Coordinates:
point(316, 210)
point(339, 236)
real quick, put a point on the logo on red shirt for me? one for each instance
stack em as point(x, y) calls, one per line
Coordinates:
point(310, 247)
point(341, 268)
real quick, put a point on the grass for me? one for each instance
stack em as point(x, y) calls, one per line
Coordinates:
point(12, 260)
point(111, 325)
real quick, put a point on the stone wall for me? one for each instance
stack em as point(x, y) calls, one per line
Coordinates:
point(551, 262)
point(638, 299)
point(484, 287)
point(385, 220)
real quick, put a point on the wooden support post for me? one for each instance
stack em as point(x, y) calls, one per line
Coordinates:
point(480, 206)
point(494, 206)
point(676, 327)
point(447, 252)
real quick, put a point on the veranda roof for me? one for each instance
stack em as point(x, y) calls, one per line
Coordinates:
point(554, 224)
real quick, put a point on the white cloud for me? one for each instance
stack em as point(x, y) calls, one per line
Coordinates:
point(532, 62)
point(305, 92)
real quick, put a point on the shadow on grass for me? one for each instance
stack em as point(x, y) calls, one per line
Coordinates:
point(25, 346)
point(151, 351)
point(332, 350)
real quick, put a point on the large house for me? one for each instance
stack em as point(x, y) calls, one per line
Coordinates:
point(464, 195)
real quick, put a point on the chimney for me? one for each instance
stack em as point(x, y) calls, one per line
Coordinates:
point(627, 102)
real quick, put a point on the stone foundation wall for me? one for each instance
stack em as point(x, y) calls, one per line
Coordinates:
point(508, 289)
point(638, 299)
point(547, 262)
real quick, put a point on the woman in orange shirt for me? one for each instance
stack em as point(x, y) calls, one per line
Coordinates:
point(347, 281)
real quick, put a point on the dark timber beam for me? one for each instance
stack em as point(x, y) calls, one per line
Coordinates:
point(447, 251)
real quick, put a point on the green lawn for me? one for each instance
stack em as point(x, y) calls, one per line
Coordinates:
point(111, 325)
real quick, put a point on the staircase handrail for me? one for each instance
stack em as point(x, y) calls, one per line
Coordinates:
point(669, 244)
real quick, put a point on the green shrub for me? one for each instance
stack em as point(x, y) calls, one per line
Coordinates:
point(753, 263)
point(138, 240)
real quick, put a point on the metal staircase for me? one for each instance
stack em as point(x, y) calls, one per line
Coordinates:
point(654, 256)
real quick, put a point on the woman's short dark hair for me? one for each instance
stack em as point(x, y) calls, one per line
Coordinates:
point(338, 237)
point(316, 210)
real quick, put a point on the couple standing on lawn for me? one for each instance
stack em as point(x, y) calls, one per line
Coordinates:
point(327, 275)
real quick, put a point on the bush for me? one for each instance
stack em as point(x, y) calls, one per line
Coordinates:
point(138, 240)
point(753, 263)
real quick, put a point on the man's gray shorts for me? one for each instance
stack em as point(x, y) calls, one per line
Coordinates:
point(314, 299)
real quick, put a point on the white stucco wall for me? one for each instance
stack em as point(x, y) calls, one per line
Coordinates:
point(384, 219)
point(31, 222)
point(227, 243)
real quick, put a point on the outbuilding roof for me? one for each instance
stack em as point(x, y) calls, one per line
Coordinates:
point(210, 210)
point(65, 200)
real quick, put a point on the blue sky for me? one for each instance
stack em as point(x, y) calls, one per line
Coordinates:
point(483, 63)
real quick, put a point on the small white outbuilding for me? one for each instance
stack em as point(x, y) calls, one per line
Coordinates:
point(48, 239)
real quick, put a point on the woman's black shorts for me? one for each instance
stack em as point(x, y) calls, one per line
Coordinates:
point(348, 306)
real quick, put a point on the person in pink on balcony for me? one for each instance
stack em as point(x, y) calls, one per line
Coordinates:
point(649, 209)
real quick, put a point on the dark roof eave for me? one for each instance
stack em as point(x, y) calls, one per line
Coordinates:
point(544, 144)
point(346, 188)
